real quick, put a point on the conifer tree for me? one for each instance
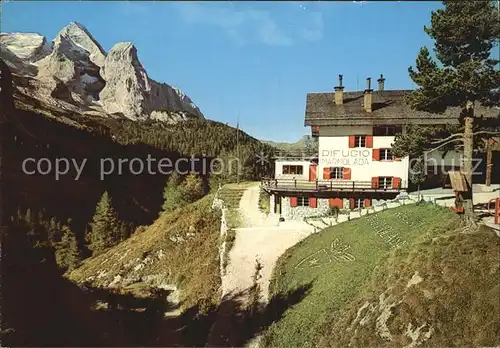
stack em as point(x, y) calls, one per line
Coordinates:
point(192, 188)
point(67, 253)
point(418, 174)
point(125, 230)
point(172, 194)
point(464, 33)
point(53, 231)
point(104, 225)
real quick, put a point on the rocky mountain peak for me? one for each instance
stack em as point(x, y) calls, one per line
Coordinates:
point(77, 38)
point(74, 69)
point(25, 46)
point(127, 83)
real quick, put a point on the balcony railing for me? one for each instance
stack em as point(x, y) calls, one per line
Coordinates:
point(324, 185)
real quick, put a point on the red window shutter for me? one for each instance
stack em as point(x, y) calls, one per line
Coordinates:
point(352, 141)
point(369, 141)
point(313, 202)
point(293, 201)
point(375, 182)
point(351, 203)
point(336, 202)
point(376, 154)
point(367, 202)
point(396, 183)
point(346, 173)
point(326, 173)
point(312, 172)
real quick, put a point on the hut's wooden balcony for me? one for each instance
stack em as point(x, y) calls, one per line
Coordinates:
point(306, 186)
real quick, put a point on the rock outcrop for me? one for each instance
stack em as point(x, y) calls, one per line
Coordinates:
point(28, 47)
point(82, 42)
point(75, 60)
point(75, 69)
point(130, 91)
point(126, 83)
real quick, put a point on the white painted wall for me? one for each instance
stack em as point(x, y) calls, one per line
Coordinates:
point(334, 151)
point(278, 174)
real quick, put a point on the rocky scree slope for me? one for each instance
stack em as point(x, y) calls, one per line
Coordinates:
point(74, 73)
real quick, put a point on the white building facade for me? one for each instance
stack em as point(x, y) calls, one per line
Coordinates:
point(355, 167)
point(356, 154)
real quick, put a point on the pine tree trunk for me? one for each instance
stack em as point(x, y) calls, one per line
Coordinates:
point(489, 159)
point(468, 204)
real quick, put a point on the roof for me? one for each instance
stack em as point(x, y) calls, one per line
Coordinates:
point(388, 108)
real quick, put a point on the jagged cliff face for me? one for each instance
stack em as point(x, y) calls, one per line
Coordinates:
point(74, 72)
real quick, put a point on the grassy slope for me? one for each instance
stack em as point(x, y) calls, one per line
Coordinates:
point(190, 261)
point(457, 298)
point(336, 283)
point(231, 195)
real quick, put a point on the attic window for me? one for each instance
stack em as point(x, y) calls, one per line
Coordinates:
point(386, 130)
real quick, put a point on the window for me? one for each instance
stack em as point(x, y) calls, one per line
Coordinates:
point(336, 173)
point(359, 203)
point(303, 201)
point(386, 155)
point(385, 182)
point(293, 169)
point(386, 130)
point(360, 141)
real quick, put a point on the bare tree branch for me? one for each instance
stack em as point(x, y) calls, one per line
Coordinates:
point(439, 141)
point(487, 132)
point(440, 146)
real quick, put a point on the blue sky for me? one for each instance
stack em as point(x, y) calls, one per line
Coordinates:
point(255, 59)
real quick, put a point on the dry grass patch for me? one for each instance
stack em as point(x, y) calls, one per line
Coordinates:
point(231, 195)
point(179, 250)
point(442, 292)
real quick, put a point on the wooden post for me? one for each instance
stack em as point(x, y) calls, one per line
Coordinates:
point(467, 196)
point(489, 159)
point(497, 211)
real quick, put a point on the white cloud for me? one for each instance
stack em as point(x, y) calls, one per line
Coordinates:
point(247, 25)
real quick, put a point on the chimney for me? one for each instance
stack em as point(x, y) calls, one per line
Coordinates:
point(339, 92)
point(381, 81)
point(368, 95)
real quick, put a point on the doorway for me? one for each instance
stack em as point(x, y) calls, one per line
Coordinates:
point(277, 204)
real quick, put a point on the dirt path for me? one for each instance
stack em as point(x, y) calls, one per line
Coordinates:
point(262, 239)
